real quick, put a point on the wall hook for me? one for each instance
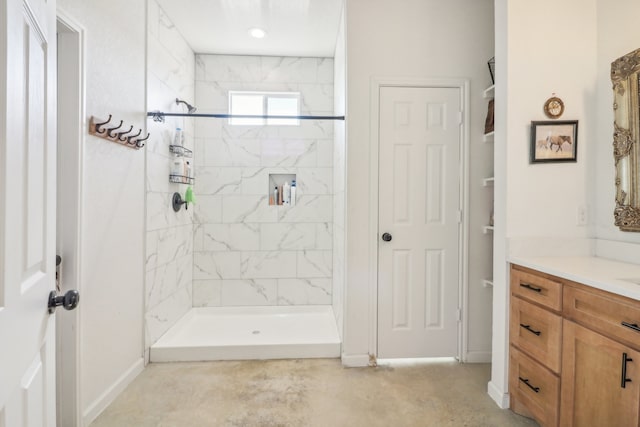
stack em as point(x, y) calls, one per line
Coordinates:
point(130, 139)
point(110, 131)
point(140, 140)
point(120, 134)
point(98, 126)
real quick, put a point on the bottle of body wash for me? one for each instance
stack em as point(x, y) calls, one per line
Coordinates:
point(292, 200)
point(177, 167)
point(286, 193)
point(178, 138)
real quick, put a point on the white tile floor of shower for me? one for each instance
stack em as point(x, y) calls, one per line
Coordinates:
point(244, 333)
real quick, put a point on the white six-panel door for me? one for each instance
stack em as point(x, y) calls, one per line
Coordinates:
point(27, 212)
point(419, 203)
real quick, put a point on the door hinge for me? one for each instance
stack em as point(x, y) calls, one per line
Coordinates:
point(459, 217)
point(459, 315)
point(460, 117)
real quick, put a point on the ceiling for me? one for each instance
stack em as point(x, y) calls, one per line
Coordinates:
point(294, 27)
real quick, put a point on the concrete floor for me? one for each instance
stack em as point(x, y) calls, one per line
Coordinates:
point(309, 392)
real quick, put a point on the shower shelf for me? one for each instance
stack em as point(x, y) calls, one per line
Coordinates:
point(180, 151)
point(181, 179)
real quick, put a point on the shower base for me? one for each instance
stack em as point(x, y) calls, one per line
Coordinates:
point(243, 333)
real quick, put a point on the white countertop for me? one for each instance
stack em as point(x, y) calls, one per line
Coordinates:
point(613, 276)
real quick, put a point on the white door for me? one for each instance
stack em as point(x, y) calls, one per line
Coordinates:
point(27, 212)
point(419, 202)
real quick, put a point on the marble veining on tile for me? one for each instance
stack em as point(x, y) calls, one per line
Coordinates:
point(304, 291)
point(315, 263)
point(249, 292)
point(169, 235)
point(244, 245)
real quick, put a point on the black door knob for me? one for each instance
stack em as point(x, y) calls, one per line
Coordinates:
point(69, 300)
point(387, 237)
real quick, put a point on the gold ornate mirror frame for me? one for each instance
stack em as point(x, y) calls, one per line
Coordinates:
point(625, 75)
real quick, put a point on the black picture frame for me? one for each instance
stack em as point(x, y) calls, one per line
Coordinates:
point(554, 141)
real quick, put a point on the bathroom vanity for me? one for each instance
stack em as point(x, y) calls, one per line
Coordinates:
point(575, 341)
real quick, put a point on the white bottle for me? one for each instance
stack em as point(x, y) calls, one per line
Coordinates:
point(178, 138)
point(177, 167)
point(187, 169)
point(286, 193)
point(293, 193)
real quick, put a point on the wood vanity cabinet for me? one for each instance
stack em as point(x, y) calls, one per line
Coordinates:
point(574, 353)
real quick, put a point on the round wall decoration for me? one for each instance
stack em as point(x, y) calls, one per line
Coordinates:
point(554, 107)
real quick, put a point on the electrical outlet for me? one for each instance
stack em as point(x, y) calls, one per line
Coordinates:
point(581, 215)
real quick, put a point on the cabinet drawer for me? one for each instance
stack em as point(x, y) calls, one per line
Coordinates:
point(537, 332)
point(612, 315)
point(534, 390)
point(536, 287)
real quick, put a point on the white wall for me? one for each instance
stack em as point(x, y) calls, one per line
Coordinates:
point(541, 48)
point(248, 252)
point(113, 202)
point(169, 248)
point(618, 34)
point(420, 39)
point(339, 176)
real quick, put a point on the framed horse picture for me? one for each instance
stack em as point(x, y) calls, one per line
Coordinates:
point(554, 141)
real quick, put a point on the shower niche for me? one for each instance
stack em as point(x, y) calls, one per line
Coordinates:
point(282, 189)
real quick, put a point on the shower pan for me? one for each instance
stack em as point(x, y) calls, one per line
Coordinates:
point(243, 333)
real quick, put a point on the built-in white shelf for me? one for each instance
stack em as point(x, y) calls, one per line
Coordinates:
point(488, 182)
point(487, 229)
point(489, 92)
point(488, 137)
point(487, 283)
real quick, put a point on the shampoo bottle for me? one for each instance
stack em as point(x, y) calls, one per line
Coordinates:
point(187, 169)
point(177, 167)
point(178, 138)
point(293, 193)
point(286, 193)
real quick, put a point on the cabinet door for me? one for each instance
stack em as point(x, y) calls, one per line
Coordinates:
point(592, 376)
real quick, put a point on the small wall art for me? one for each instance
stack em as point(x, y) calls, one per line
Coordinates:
point(554, 141)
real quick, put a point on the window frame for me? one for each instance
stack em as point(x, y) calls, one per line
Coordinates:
point(266, 96)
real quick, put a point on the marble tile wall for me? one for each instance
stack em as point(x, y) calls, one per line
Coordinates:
point(169, 245)
point(247, 252)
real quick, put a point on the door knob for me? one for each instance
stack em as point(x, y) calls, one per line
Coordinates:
point(69, 300)
point(387, 237)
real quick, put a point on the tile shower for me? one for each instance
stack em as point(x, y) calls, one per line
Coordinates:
point(232, 250)
point(246, 251)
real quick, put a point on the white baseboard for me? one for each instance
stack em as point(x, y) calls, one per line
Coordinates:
point(355, 360)
point(101, 403)
point(501, 399)
point(478, 357)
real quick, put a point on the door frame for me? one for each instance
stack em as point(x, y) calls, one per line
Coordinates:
point(71, 57)
point(463, 265)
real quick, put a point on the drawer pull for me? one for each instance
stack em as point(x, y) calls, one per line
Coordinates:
point(633, 326)
point(528, 328)
point(531, 287)
point(625, 380)
point(526, 381)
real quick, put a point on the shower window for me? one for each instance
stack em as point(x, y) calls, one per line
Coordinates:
point(263, 104)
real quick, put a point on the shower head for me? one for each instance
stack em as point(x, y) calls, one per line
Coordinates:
point(190, 108)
